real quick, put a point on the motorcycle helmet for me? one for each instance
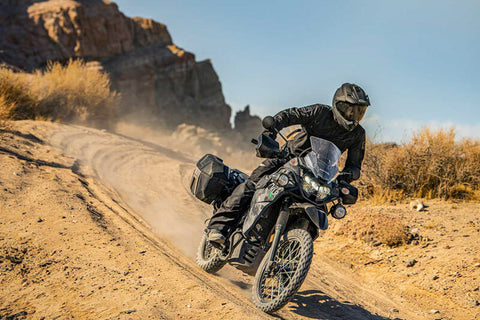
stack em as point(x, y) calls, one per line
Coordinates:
point(349, 105)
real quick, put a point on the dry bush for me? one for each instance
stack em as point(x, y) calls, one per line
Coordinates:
point(74, 93)
point(68, 93)
point(374, 227)
point(16, 99)
point(5, 107)
point(432, 164)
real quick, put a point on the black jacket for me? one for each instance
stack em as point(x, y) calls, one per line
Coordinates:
point(317, 120)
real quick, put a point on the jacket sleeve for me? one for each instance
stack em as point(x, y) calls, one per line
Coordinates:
point(355, 155)
point(292, 116)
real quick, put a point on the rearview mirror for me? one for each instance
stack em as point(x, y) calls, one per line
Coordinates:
point(268, 123)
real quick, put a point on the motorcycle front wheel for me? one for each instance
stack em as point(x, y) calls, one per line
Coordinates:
point(274, 286)
point(209, 257)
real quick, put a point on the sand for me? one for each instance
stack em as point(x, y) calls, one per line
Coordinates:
point(97, 225)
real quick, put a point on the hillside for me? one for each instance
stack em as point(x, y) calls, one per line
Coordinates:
point(108, 229)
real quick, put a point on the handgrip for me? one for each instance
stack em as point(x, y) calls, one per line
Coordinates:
point(254, 141)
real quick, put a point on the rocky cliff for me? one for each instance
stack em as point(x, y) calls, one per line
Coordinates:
point(157, 80)
point(246, 124)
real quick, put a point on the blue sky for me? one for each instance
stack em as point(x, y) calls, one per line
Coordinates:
point(417, 60)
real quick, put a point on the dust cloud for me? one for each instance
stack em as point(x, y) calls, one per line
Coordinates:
point(151, 169)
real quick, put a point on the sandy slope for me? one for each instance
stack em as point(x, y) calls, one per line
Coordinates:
point(110, 241)
point(70, 247)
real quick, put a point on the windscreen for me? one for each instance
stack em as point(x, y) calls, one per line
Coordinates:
point(323, 159)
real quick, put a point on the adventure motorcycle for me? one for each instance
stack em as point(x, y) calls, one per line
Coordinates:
point(274, 240)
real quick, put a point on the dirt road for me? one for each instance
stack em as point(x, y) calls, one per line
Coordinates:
point(145, 186)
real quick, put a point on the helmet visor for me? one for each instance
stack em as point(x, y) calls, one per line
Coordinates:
point(352, 112)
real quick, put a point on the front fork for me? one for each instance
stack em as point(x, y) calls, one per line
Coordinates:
point(279, 229)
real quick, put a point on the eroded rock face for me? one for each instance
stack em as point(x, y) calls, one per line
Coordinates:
point(247, 125)
point(157, 80)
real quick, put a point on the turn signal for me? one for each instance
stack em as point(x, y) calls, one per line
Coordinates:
point(271, 238)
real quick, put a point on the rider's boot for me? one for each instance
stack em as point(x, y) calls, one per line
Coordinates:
point(216, 238)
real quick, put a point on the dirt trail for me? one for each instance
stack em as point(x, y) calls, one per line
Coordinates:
point(152, 180)
point(148, 178)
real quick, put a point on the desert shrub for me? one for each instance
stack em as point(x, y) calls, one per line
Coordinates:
point(432, 164)
point(16, 99)
point(74, 93)
point(67, 93)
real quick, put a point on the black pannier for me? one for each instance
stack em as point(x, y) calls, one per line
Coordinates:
point(209, 179)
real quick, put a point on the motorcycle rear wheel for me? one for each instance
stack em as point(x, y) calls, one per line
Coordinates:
point(209, 257)
point(273, 289)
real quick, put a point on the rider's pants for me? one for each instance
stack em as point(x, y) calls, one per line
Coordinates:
point(235, 206)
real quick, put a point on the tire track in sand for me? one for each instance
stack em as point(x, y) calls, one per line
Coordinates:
point(151, 179)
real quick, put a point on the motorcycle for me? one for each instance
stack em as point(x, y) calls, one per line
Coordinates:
point(274, 240)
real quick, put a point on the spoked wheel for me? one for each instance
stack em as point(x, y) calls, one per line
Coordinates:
point(209, 257)
point(274, 286)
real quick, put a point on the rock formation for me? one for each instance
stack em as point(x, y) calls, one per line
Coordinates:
point(247, 125)
point(156, 79)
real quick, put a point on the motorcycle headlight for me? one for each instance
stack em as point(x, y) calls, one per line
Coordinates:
point(311, 186)
point(323, 192)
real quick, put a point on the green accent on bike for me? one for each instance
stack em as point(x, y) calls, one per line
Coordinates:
point(271, 196)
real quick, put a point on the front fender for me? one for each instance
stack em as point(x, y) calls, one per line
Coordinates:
point(317, 216)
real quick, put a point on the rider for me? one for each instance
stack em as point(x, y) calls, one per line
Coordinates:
point(338, 124)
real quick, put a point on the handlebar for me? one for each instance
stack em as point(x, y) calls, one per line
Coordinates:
point(269, 123)
point(267, 147)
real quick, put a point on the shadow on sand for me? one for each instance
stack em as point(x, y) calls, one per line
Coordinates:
point(315, 304)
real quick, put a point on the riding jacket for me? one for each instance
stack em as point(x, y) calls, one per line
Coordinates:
point(317, 120)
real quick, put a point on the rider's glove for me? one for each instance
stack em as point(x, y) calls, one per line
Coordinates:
point(349, 174)
point(345, 176)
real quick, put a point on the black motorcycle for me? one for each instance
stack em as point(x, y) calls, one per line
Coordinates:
point(274, 239)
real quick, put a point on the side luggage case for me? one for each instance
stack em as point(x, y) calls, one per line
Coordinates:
point(209, 179)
